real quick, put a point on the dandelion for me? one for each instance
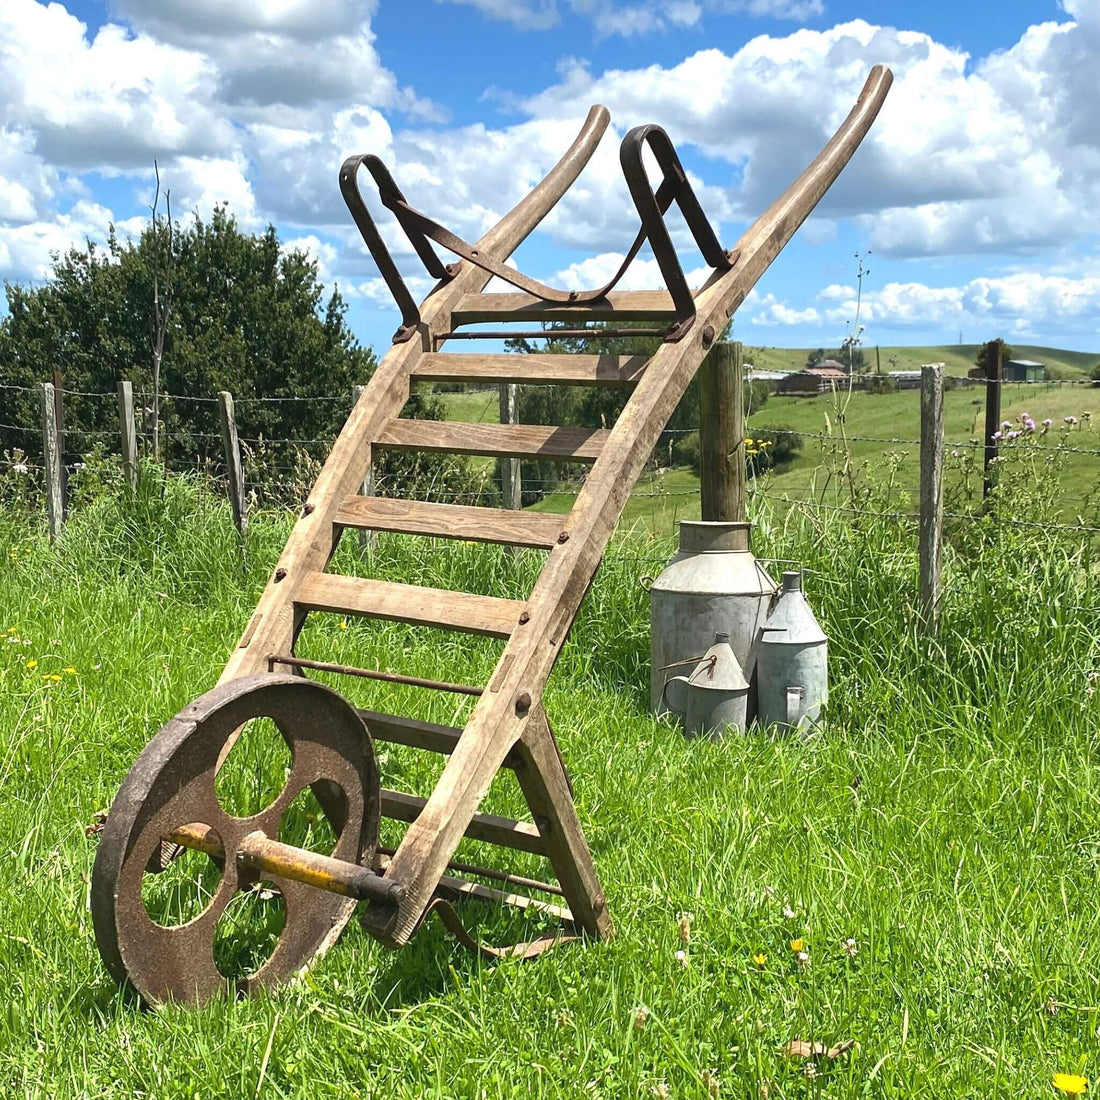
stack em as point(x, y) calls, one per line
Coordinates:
point(52, 677)
point(11, 629)
point(761, 960)
point(343, 624)
point(850, 948)
point(32, 664)
point(796, 946)
point(803, 959)
point(1070, 1084)
point(682, 958)
point(70, 671)
point(683, 923)
point(641, 1017)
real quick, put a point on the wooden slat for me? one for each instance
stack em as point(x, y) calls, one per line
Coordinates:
point(627, 305)
point(503, 440)
point(451, 521)
point(460, 889)
point(532, 370)
point(409, 603)
point(504, 831)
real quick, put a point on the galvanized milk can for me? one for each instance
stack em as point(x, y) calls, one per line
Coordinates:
point(712, 584)
point(714, 697)
point(792, 661)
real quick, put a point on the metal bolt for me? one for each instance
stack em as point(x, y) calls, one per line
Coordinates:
point(542, 823)
point(708, 336)
point(307, 508)
point(524, 618)
point(563, 538)
point(280, 573)
point(523, 703)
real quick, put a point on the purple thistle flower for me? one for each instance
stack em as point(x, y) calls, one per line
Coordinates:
point(998, 435)
point(1070, 419)
point(1029, 425)
point(1047, 422)
point(1006, 425)
point(1013, 435)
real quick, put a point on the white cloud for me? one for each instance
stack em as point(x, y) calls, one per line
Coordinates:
point(771, 311)
point(25, 250)
point(593, 272)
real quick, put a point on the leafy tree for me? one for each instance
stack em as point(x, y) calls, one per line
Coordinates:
point(815, 357)
point(983, 353)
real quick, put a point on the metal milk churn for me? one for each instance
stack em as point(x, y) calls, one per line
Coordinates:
point(792, 661)
point(714, 697)
point(712, 584)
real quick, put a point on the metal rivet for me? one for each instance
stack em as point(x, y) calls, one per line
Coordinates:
point(708, 336)
point(524, 618)
point(523, 703)
point(563, 538)
point(280, 573)
point(307, 508)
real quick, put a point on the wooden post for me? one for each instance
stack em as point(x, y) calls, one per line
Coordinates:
point(51, 459)
point(366, 537)
point(128, 432)
point(233, 463)
point(59, 416)
point(510, 488)
point(994, 373)
point(931, 493)
point(722, 435)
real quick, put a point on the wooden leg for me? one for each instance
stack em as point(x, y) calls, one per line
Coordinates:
point(545, 785)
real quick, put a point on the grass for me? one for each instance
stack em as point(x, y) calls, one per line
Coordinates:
point(947, 820)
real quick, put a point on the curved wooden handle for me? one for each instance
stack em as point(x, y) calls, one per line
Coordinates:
point(506, 236)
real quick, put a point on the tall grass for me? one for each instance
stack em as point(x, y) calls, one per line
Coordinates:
point(946, 820)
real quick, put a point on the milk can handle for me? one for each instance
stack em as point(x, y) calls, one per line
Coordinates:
point(794, 705)
point(667, 701)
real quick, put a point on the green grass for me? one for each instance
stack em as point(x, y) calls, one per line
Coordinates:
point(947, 819)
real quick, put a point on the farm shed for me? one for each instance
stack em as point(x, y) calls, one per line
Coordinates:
point(905, 379)
point(811, 382)
point(1024, 370)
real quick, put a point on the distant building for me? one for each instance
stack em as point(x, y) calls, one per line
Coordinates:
point(905, 379)
point(771, 378)
point(812, 381)
point(1024, 370)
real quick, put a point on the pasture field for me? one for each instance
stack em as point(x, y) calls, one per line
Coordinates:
point(936, 847)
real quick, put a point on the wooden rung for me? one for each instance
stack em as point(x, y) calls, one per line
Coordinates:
point(503, 831)
point(503, 440)
point(557, 370)
point(451, 521)
point(394, 729)
point(409, 603)
point(627, 305)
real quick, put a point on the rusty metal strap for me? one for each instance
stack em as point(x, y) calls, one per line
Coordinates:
point(529, 950)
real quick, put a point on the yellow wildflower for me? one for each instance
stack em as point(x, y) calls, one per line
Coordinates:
point(70, 670)
point(796, 946)
point(1070, 1084)
point(52, 677)
point(32, 664)
point(11, 629)
point(760, 960)
point(343, 624)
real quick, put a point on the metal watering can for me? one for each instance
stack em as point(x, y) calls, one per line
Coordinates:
point(714, 697)
point(792, 663)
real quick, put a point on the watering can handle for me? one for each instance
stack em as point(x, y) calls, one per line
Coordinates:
point(683, 698)
point(794, 705)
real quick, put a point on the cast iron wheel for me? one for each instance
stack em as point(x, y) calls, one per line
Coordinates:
point(171, 785)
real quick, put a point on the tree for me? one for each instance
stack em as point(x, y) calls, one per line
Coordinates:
point(815, 357)
point(246, 316)
point(983, 353)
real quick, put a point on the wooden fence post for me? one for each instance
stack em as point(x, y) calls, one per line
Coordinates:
point(59, 417)
point(366, 536)
point(931, 493)
point(233, 463)
point(994, 373)
point(722, 435)
point(51, 459)
point(511, 490)
point(128, 432)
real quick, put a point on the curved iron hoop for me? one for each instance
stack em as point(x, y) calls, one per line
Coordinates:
point(652, 205)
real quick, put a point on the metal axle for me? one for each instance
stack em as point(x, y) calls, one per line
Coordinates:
point(260, 853)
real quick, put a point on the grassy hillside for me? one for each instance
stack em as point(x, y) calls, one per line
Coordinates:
point(959, 358)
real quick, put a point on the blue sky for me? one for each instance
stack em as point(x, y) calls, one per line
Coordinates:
point(977, 192)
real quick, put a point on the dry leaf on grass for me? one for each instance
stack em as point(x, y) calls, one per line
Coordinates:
point(801, 1048)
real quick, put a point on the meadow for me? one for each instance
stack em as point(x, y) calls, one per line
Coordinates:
point(935, 847)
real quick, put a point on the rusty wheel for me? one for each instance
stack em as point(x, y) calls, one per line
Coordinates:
point(171, 785)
